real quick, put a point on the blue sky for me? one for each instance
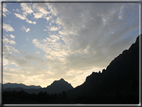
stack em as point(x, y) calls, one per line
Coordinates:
point(44, 42)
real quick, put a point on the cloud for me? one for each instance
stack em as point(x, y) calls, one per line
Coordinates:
point(8, 48)
point(12, 36)
point(7, 40)
point(40, 7)
point(25, 29)
point(23, 17)
point(17, 10)
point(53, 28)
point(38, 15)
point(91, 24)
point(31, 22)
point(26, 65)
point(5, 11)
point(34, 22)
point(28, 29)
point(20, 62)
point(48, 18)
point(7, 27)
point(5, 62)
point(26, 7)
point(35, 42)
point(37, 52)
point(52, 47)
point(40, 10)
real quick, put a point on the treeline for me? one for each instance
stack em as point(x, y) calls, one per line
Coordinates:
point(23, 97)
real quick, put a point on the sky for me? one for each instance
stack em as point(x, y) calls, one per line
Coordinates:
point(43, 42)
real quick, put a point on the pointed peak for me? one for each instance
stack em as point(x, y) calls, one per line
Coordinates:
point(62, 79)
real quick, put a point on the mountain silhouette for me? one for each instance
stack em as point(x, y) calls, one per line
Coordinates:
point(58, 86)
point(15, 85)
point(120, 78)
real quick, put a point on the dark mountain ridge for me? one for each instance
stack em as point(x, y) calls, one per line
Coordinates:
point(15, 85)
point(57, 86)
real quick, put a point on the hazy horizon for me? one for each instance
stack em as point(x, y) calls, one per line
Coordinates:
point(43, 42)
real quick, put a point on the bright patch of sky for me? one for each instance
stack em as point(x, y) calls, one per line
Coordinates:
point(44, 42)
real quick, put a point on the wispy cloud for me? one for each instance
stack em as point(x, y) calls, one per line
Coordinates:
point(12, 36)
point(5, 11)
point(7, 40)
point(40, 10)
point(38, 15)
point(48, 18)
point(26, 7)
point(41, 7)
point(25, 29)
point(23, 17)
point(7, 27)
point(8, 48)
point(53, 28)
point(29, 21)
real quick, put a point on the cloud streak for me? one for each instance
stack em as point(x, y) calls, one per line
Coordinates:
point(7, 40)
point(23, 17)
point(5, 11)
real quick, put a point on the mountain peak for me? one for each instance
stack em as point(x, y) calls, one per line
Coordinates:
point(61, 79)
point(58, 86)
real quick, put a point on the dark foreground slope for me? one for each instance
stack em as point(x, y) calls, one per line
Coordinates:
point(118, 84)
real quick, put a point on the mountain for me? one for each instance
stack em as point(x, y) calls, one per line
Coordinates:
point(15, 85)
point(118, 82)
point(58, 86)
